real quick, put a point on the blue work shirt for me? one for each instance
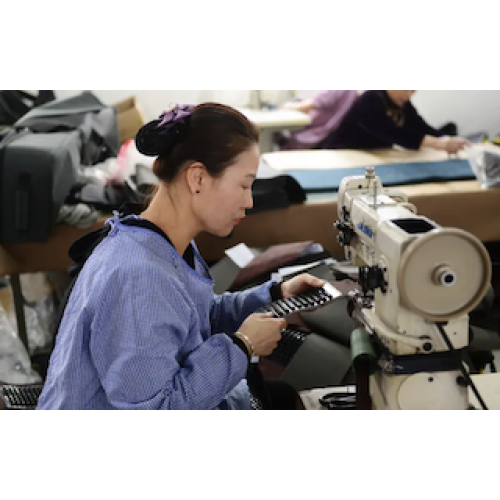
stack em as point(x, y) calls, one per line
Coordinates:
point(143, 330)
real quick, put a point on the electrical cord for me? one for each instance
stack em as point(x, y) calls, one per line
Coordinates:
point(465, 373)
point(339, 401)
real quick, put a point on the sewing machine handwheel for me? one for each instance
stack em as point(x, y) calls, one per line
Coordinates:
point(444, 274)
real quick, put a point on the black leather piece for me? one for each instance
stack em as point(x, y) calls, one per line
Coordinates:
point(331, 321)
point(318, 363)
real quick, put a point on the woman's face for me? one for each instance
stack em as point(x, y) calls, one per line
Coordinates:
point(225, 199)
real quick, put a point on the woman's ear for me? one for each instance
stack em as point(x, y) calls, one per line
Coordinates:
point(195, 176)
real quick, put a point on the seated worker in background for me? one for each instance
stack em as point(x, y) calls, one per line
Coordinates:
point(143, 329)
point(383, 118)
point(326, 109)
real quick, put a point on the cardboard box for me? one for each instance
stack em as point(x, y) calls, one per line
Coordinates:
point(131, 118)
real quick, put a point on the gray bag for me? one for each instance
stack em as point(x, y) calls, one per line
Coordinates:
point(37, 172)
point(40, 161)
point(96, 123)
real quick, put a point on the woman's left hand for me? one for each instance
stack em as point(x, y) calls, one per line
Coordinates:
point(300, 284)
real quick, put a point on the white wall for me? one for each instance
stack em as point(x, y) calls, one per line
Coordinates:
point(472, 110)
point(154, 102)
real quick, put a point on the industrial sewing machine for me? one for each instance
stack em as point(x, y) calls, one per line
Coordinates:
point(419, 281)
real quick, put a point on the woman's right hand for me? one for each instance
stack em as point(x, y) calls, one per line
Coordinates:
point(264, 331)
point(453, 145)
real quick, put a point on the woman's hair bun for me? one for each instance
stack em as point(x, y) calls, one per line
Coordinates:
point(147, 139)
point(159, 137)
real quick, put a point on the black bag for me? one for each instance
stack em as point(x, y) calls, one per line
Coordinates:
point(276, 192)
point(104, 196)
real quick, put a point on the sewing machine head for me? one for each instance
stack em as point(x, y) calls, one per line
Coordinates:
point(415, 275)
point(438, 273)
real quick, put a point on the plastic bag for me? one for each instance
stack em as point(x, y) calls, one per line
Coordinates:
point(117, 170)
point(15, 364)
point(485, 164)
point(39, 311)
point(128, 159)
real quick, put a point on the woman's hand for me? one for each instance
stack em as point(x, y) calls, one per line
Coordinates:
point(446, 143)
point(453, 145)
point(264, 332)
point(300, 284)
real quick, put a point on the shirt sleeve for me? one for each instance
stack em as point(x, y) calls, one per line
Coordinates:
point(137, 343)
point(373, 119)
point(229, 310)
point(417, 122)
point(327, 99)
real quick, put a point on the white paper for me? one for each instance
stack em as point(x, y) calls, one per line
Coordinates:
point(241, 255)
point(311, 398)
point(286, 271)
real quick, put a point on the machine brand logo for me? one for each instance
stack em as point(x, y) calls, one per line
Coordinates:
point(365, 229)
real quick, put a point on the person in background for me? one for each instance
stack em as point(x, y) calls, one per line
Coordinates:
point(384, 118)
point(326, 109)
point(142, 328)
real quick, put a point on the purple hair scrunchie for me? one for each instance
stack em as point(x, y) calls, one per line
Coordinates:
point(174, 115)
point(160, 136)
